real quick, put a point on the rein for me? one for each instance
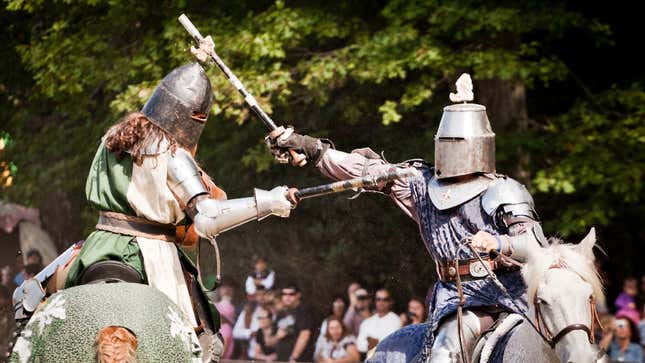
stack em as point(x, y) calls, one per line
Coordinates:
point(548, 338)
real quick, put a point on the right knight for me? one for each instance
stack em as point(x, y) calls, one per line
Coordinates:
point(460, 197)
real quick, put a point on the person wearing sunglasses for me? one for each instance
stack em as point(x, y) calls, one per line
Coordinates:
point(293, 341)
point(379, 325)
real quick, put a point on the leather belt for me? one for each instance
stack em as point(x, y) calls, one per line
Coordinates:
point(135, 226)
point(470, 269)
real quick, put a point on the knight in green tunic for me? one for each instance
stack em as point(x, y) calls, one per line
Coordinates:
point(144, 182)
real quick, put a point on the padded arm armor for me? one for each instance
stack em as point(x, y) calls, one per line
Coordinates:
point(216, 216)
point(512, 209)
point(184, 176)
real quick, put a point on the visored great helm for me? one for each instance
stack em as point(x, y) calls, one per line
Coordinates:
point(464, 143)
point(181, 103)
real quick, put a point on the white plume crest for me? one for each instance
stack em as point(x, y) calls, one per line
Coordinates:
point(464, 89)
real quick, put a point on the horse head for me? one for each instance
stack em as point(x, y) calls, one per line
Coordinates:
point(563, 285)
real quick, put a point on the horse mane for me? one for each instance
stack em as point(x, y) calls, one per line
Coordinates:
point(561, 255)
point(116, 344)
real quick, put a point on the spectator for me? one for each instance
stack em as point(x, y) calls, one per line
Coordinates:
point(33, 258)
point(351, 289)
point(31, 270)
point(624, 345)
point(641, 327)
point(379, 325)
point(7, 323)
point(293, 338)
point(264, 352)
point(359, 310)
point(273, 302)
point(337, 346)
point(626, 300)
point(227, 314)
point(337, 311)
point(247, 323)
point(6, 275)
point(261, 275)
point(416, 313)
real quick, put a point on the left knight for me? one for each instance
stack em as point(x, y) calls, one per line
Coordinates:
point(147, 186)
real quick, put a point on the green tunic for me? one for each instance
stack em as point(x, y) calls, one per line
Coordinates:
point(106, 190)
point(110, 187)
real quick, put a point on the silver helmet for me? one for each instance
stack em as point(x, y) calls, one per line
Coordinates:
point(181, 103)
point(464, 143)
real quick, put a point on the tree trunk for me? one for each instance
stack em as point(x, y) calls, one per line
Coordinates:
point(505, 103)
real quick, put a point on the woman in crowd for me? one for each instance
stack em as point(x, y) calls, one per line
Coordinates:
point(622, 341)
point(338, 346)
point(338, 307)
point(263, 352)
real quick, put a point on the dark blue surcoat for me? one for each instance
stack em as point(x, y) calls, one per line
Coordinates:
point(442, 231)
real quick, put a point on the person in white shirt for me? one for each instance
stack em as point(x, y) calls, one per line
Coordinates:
point(337, 311)
point(381, 324)
point(261, 275)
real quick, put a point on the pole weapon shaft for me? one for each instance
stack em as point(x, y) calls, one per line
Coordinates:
point(343, 185)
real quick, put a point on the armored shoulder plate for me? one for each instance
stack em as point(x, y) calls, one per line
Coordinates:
point(508, 202)
point(504, 191)
point(446, 194)
point(184, 178)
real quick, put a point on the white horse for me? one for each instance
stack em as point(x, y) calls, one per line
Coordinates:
point(562, 286)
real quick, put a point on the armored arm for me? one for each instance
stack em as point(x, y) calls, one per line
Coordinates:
point(513, 211)
point(212, 216)
point(216, 216)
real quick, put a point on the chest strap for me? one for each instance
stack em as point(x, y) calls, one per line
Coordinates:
point(135, 226)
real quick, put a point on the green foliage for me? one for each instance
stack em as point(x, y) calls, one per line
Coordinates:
point(599, 146)
point(362, 73)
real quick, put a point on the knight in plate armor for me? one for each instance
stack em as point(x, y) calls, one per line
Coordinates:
point(461, 197)
point(153, 197)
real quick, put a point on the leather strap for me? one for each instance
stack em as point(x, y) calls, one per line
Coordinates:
point(448, 271)
point(135, 226)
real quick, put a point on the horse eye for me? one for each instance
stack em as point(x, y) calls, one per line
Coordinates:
point(541, 301)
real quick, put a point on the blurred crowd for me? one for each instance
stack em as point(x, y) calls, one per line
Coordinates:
point(623, 332)
point(274, 322)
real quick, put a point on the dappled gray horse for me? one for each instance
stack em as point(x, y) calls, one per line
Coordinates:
point(116, 322)
point(562, 286)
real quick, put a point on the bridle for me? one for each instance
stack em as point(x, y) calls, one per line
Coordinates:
point(548, 338)
point(551, 339)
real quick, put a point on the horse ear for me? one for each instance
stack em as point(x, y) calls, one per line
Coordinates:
point(585, 246)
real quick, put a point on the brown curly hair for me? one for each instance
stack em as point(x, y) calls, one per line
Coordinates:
point(133, 134)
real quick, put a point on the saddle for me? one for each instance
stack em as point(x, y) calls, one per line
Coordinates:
point(495, 337)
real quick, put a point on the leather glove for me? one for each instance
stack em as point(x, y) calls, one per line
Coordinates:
point(281, 140)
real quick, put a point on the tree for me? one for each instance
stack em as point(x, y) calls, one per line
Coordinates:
point(365, 74)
